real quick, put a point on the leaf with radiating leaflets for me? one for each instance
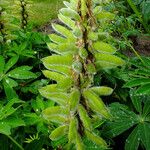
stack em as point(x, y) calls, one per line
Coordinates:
point(144, 129)
point(133, 140)
point(137, 82)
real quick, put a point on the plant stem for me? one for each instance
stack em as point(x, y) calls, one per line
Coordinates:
point(15, 142)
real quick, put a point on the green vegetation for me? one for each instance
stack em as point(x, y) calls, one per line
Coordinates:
point(44, 11)
point(86, 86)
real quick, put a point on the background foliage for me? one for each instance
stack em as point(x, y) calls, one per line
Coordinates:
point(22, 125)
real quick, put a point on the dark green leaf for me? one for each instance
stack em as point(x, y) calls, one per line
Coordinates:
point(133, 140)
point(11, 62)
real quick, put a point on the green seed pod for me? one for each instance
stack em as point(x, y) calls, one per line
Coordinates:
point(58, 132)
point(93, 36)
point(91, 68)
point(77, 67)
point(77, 33)
point(83, 53)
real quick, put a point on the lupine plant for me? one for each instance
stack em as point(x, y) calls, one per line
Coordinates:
point(78, 54)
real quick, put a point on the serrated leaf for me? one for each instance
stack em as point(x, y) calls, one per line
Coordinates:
point(107, 61)
point(102, 90)
point(11, 62)
point(146, 108)
point(137, 82)
point(104, 47)
point(133, 140)
point(96, 103)
point(21, 73)
point(58, 132)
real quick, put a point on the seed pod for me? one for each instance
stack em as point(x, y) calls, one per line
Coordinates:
point(58, 132)
point(83, 53)
point(77, 67)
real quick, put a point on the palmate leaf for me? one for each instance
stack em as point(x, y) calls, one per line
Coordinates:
point(123, 120)
point(137, 82)
point(107, 61)
point(144, 129)
point(137, 101)
point(133, 140)
point(144, 89)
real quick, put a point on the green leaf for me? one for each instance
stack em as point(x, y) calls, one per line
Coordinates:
point(11, 63)
point(21, 73)
point(137, 82)
point(133, 140)
point(144, 129)
point(11, 82)
point(105, 15)
point(5, 128)
point(2, 63)
point(104, 47)
point(146, 108)
point(9, 91)
point(102, 90)
point(107, 61)
point(123, 119)
point(144, 89)
point(59, 132)
point(137, 101)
